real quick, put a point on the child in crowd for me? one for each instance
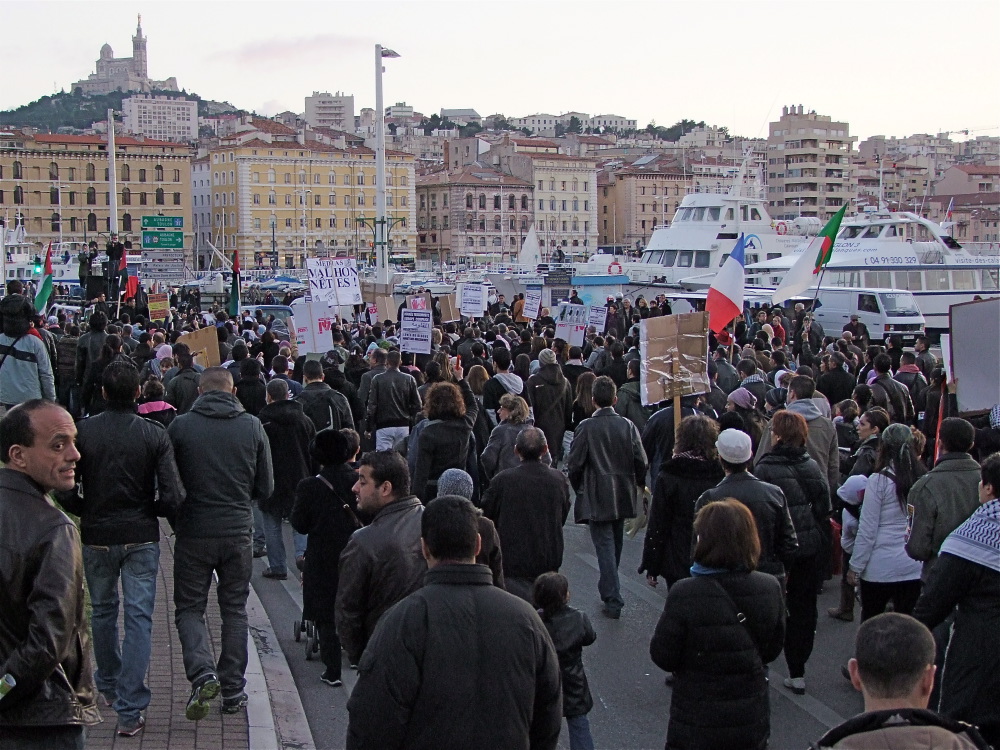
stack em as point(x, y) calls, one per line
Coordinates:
point(570, 630)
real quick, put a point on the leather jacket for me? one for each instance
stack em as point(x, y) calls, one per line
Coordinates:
point(381, 564)
point(128, 476)
point(44, 642)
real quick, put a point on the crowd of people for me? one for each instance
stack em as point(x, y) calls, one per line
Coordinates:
point(427, 494)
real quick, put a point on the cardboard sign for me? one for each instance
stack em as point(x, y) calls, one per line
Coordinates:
point(532, 303)
point(597, 317)
point(204, 345)
point(159, 307)
point(419, 301)
point(386, 307)
point(473, 301)
point(449, 311)
point(313, 323)
point(670, 339)
point(334, 281)
point(415, 331)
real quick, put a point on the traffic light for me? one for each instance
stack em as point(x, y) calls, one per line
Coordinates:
point(38, 264)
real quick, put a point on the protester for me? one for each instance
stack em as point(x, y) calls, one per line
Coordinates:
point(499, 453)
point(718, 631)
point(392, 403)
point(44, 638)
point(214, 535)
point(326, 511)
point(325, 407)
point(432, 675)
point(458, 482)
point(551, 398)
point(607, 467)
point(25, 368)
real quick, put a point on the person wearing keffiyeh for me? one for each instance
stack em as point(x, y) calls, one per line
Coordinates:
point(967, 576)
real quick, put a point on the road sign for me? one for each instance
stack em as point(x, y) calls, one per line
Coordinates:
point(162, 222)
point(165, 239)
point(163, 265)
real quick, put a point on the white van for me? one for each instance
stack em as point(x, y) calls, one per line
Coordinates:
point(884, 311)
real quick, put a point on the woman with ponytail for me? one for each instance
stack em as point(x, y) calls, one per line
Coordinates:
point(879, 560)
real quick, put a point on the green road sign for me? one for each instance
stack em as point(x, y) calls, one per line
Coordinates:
point(162, 222)
point(154, 240)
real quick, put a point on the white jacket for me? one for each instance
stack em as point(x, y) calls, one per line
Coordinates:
point(879, 549)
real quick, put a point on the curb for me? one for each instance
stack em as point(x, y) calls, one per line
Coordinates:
point(275, 714)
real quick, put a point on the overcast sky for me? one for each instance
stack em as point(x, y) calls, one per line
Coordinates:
point(893, 67)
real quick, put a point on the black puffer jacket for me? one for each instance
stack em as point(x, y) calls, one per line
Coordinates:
point(289, 432)
point(571, 632)
point(806, 492)
point(321, 513)
point(551, 399)
point(770, 511)
point(667, 549)
point(720, 693)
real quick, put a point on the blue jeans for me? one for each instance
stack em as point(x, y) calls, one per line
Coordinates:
point(579, 733)
point(121, 667)
point(258, 526)
point(607, 538)
point(195, 558)
point(275, 543)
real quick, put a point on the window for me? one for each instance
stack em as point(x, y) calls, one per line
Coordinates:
point(564, 205)
point(288, 223)
point(317, 199)
point(91, 222)
point(127, 223)
point(496, 224)
point(319, 223)
point(563, 184)
point(541, 184)
point(142, 199)
point(256, 199)
point(333, 199)
point(347, 179)
point(576, 205)
point(524, 203)
point(315, 179)
point(18, 195)
point(72, 223)
point(54, 196)
point(158, 173)
point(482, 225)
point(55, 222)
point(177, 199)
point(496, 203)
point(302, 178)
point(288, 178)
point(272, 199)
point(90, 167)
point(18, 175)
point(126, 197)
point(511, 202)
point(482, 202)
point(159, 196)
point(91, 197)
point(256, 224)
point(126, 172)
point(361, 200)
point(333, 222)
point(53, 171)
point(347, 200)
point(552, 204)
point(361, 179)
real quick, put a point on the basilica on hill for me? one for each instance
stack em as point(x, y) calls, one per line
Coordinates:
point(123, 73)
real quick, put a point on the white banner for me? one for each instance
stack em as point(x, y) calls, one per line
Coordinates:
point(532, 303)
point(473, 302)
point(415, 331)
point(572, 333)
point(598, 317)
point(334, 280)
point(573, 314)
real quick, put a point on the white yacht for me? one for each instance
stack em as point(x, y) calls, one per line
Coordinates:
point(704, 231)
point(900, 250)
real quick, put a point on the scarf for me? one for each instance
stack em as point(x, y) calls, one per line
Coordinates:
point(995, 416)
point(978, 539)
point(697, 569)
point(908, 368)
point(755, 378)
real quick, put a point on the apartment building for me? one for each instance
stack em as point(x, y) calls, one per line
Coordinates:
point(326, 110)
point(476, 212)
point(56, 182)
point(635, 198)
point(969, 178)
point(161, 117)
point(314, 193)
point(809, 165)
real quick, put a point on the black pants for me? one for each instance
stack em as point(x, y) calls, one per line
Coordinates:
point(329, 647)
point(801, 590)
point(43, 738)
point(875, 596)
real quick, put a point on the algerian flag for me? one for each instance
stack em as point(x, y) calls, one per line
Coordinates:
point(45, 288)
point(811, 261)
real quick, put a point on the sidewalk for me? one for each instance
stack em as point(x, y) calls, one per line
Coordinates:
point(166, 726)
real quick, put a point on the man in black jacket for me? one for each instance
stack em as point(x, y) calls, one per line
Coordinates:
point(889, 394)
point(837, 384)
point(766, 501)
point(529, 504)
point(393, 404)
point(44, 644)
point(382, 563)
point(289, 432)
point(128, 477)
point(432, 676)
point(321, 403)
point(222, 453)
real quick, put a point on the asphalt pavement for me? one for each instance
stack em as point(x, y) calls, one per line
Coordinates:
point(631, 700)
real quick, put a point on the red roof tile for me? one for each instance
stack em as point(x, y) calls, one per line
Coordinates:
point(271, 126)
point(978, 169)
point(121, 140)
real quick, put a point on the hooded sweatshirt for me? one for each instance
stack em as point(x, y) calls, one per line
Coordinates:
point(224, 457)
point(821, 443)
point(495, 388)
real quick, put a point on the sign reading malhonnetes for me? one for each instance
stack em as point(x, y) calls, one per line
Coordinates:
point(162, 222)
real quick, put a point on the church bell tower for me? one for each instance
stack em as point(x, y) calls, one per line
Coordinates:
point(139, 52)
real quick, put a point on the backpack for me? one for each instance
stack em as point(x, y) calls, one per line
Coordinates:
point(321, 412)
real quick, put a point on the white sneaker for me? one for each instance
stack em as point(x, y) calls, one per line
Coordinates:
point(796, 684)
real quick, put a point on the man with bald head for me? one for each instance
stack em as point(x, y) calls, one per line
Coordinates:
point(225, 461)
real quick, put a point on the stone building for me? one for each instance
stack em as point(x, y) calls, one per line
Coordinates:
point(123, 73)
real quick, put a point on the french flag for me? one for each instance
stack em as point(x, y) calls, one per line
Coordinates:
point(725, 296)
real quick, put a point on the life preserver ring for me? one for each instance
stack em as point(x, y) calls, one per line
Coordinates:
point(615, 267)
point(782, 227)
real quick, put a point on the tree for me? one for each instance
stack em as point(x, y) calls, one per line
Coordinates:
point(560, 129)
point(500, 122)
point(575, 126)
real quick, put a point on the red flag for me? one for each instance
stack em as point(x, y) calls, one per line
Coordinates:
point(124, 262)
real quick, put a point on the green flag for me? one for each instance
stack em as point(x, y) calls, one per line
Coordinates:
point(45, 288)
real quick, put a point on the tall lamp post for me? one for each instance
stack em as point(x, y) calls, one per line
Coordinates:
point(274, 243)
point(380, 228)
point(305, 250)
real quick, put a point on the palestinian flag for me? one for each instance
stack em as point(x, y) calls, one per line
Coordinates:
point(44, 292)
point(234, 293)
point(811, 261)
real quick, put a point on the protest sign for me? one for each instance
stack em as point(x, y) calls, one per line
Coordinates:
point(571, 323)
point(473, 300)
point(204, 345)
point(415, 331)
point(449, 311)
point(597, 317)
point(675, 357)
point(334, 281)
point(159, 307)
point(532, 303)
point(313, 323)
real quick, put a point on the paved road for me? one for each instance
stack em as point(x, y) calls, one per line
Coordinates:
point(631, 701)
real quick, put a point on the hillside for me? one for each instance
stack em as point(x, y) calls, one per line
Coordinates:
point(75, 111)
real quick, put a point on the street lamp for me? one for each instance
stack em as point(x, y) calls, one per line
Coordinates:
point(380, 229)
point(274, 242)
point(798, 202)
point(304, 193)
